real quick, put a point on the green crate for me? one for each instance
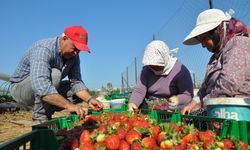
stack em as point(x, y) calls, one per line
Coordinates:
point(43, 139)
point(58, 123)
point(223, 127)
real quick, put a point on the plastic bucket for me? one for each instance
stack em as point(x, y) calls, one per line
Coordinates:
point(117, 103)
point(229, 108)
point(106, 104)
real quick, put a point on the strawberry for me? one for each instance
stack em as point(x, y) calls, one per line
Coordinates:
point(229, 145)
point(124, 145)
point(207, 143)
point(100, 137)
point(148, 142)
point(136, 146)
point(137, 110)
point(155, 131)
point(103, 128)
point(243, 145)
point(132, 135)
point(74, 143)
point(128, 126)
point(99, 146)
point(179, 147)
point(93, 117)
point(160, 137)
point(176, 127)
point(121, 133)
point(116, 117)
point(166, 144)
point(192, 147)
point(112, 142)
point(87, 146)
point(85, 137)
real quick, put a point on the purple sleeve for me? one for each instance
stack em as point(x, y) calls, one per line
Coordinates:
point(185, 86)
point(235, 71)
point(139, 91)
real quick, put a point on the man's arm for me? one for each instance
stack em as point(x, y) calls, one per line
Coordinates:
point(60, 101)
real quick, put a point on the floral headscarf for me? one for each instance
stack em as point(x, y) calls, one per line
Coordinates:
point(157, 53)
point(227, 30)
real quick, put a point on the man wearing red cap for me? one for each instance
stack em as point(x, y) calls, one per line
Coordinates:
point(37, 81)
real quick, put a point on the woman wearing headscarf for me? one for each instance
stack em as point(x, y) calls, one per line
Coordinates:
point(164, 83)
point(228, 70)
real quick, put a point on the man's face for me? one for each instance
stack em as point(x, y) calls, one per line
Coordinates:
point(68, 49)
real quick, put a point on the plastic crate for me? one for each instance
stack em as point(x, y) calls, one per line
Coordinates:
point(223, 127)
point(58, 123)
point(43, 139)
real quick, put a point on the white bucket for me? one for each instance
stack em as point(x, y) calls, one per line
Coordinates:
point(229, 108)
point(117, 103)
point(106, 104)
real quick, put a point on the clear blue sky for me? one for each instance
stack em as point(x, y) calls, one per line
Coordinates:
point(118, 30)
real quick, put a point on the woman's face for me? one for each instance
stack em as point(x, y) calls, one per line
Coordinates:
point(68, 49)
point(206, 41)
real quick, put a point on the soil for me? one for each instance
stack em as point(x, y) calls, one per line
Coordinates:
point(16, 123)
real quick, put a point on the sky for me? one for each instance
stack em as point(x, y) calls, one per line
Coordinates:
point(118, 31)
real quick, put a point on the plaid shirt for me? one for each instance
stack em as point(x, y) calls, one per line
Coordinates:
point(38, 62)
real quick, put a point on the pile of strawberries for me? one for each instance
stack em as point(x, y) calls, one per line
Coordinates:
point(130, 130)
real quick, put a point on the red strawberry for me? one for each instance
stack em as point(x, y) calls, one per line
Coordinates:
point(148, 142)
point(124, 145)
point(121, 133)
point(207, 143)
point(85, 137)
point(112, 142)
point(229, 145)
point(97, 119)
point(74, 143)
point(176, 127)
point(103, 128)
point(137, 111)
point(116, 117)
point(160, 137)
point(128, 126)
point(155, 131)
point(136, 146)
point(243, 145)
point(87, 146)
point(132, 135)
point(179, 147)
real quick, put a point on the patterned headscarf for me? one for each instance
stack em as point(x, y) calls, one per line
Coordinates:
point(157, 53)
point(227, 30)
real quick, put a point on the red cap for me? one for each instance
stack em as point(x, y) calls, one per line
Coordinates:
point(79, 36)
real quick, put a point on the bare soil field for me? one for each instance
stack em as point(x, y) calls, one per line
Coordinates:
point(17, 123)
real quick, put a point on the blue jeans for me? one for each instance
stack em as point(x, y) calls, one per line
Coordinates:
point(23, 94)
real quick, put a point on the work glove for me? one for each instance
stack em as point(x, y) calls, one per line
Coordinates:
point(173, 103)
point(132, 106)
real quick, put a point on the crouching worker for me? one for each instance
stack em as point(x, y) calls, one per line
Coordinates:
point(37, 81)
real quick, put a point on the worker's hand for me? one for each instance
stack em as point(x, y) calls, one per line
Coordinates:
point(187, 109)
point(132, 106)
point(79, 110)
point(95, 104)
point(173, 102)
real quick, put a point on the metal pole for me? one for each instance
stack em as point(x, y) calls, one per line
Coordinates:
point(127, 79)
point(135, 71)
point(194, 80)
point(210, 4)
point(4, 77)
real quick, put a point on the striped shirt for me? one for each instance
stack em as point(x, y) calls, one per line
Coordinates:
point(38, 62)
